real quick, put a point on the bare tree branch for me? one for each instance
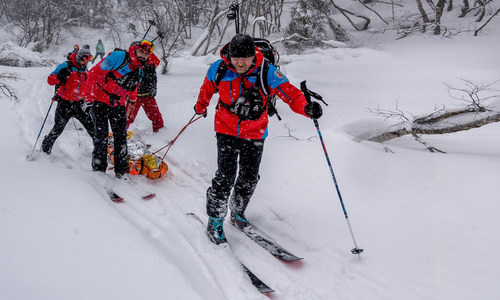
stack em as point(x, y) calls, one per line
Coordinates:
point(486, 23)
point(7, 90)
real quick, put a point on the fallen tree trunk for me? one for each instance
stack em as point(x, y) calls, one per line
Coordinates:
point(441, 124)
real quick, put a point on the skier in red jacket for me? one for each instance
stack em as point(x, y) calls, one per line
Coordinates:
point(241, 121)
point(146, 96)
point(69, 79)
point(111, 83)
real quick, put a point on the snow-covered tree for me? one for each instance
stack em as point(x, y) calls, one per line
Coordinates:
point(307, 26)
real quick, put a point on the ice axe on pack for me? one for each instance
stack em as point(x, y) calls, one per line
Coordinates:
point(160, 35)
point(151, 23)
point(235, 15)
point(308, 94)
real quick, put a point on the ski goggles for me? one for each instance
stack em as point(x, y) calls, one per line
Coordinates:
point(147, 45)
point(87, 57)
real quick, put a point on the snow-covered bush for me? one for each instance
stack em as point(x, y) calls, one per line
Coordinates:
point(13, 55)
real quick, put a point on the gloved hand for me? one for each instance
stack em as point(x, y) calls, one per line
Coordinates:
point(87, 106)
point(130, 101)
point(113, 99)
point(200, 111)
point(63, 74)
point(313, 110)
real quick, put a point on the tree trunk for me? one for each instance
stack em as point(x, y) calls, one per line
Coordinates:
point(439, 13)
point(421, 9)
point(428, 125)
point(465, 9)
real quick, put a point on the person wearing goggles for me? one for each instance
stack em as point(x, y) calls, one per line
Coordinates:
point(142, 50)
point(111, 84)
point(69, 78)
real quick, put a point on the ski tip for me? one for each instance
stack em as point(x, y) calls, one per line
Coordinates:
point(149, 196)
point(291, 259)
point(266, 290)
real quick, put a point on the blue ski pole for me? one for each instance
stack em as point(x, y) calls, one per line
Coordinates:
point(308, 94)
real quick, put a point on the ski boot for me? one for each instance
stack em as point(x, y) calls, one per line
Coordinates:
point(215, 231)
point(239, 221)
point(46, 146)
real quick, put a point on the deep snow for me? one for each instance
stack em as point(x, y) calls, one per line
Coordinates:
point(428, 222)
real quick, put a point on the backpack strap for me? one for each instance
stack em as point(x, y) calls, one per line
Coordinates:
point(261, 83)
point(125, 60)
point(264, 69)
point(271, 101)
point(221, 71)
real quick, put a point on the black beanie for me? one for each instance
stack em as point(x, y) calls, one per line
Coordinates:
point(241, 45)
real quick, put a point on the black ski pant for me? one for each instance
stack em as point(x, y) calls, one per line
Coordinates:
point(234, 153)
point(116, 116)
point(64, 112)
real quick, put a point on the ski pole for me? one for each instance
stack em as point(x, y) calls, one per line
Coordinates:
point(30, 157)
point(308, 94)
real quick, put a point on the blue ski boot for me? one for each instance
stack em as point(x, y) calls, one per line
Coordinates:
point(239, 221)
point(215, 231)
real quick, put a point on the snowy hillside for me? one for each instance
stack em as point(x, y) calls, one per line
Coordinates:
point(428, 222)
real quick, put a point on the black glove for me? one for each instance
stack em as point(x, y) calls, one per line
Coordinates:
point(114, 99)
point(130, 81)
point(63, 74)
point(313, 110)
point(200, 112)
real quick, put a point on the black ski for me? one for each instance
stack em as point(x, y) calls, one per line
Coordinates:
point(256, 282)
point(267, 243)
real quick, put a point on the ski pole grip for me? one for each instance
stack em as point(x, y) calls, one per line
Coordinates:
point(306, 92)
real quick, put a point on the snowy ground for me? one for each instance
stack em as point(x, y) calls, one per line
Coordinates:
point(428, 222)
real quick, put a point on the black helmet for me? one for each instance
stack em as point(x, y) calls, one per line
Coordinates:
point(241, 45)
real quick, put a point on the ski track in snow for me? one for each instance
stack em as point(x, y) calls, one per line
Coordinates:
point(405, 207)
point(163, 220)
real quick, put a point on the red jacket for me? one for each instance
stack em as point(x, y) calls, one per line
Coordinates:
point(103, 80)
point(229, 90)
point(72, 87)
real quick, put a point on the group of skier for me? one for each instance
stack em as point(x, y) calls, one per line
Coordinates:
point(119, 84)
point(107, 90)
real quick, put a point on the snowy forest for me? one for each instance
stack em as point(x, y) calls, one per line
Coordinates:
point(410, 131)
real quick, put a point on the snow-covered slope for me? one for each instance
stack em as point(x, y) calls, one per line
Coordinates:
point(428, 222)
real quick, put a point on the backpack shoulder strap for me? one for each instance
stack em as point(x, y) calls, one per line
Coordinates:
point(271, 101)
point(264, 69)
point(221, 71)
point(125, 60)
